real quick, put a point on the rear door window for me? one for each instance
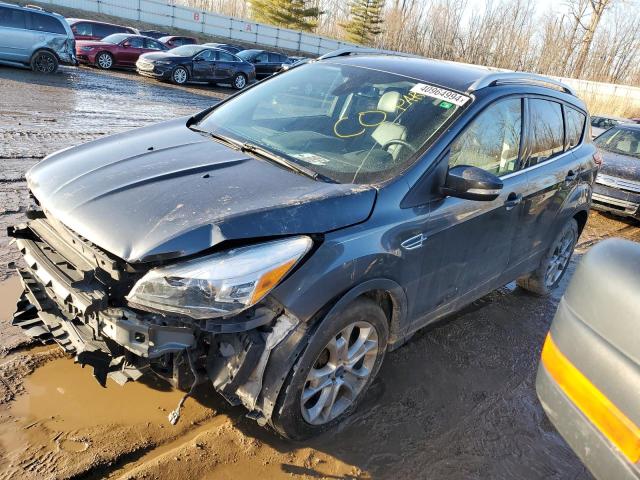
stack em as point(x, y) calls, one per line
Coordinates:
point(262, 58)
point(574, 121)
point(225, 57)
point(153, 45)
point(275, 58)
point(136, 42)
point(46, 23)
point(547, 130)
point(492, 140)
point(12, 17)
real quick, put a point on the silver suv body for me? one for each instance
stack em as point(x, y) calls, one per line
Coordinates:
point(35, 38)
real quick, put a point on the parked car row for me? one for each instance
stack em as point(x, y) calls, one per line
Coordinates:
point(32, 37)
point(602, 123)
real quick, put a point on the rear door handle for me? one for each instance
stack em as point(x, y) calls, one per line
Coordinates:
point(512, 200)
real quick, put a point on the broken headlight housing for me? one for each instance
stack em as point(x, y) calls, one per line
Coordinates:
point(220, 284)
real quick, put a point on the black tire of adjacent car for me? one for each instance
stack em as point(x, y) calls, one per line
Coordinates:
point(180, 76)
point(287, 419)
point(44, 62)
point(239, 81)
point(535, 281)
point(104, 60)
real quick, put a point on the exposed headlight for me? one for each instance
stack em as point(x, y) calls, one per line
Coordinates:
point(87, 49)
point(220, 284)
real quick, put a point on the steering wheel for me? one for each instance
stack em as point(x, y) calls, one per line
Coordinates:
point(397, 141)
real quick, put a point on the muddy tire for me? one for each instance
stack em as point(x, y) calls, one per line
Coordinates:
point(334, 371)
point(179, 76)
point(239, 81)
point(44, 62)
point(104, 60)
point(554, 264)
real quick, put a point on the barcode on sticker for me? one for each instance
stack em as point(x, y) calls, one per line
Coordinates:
point(441, 93)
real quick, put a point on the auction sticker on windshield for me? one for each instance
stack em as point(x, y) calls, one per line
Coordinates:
point(440, 93)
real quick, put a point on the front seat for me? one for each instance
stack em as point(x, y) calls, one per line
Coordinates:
point(387, 131)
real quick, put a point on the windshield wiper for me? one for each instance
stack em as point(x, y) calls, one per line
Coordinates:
point(264, 153)
point(235, 144)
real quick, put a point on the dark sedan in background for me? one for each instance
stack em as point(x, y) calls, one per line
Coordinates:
point(118, 50)
point(197, 62)
point(227, 47)
point(266, 63)
point(617, 188)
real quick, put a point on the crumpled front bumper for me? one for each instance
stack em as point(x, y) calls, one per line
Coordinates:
point(68, 284)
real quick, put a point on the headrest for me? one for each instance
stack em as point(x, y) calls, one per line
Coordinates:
point(389, 101)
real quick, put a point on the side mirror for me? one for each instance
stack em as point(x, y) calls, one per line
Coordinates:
point(471, 183)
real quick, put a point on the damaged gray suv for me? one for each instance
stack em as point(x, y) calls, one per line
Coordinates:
point(278, 244)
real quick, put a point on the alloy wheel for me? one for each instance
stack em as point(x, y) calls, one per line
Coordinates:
point(560, 258)
point(45, 63)
point(180, 76)
point(339, 373)
point(239, 82)
point(105, 61)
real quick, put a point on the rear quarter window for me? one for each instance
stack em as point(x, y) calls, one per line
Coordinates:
point(574, 122)
point(12, 17)
point(546, 130)
point(46, 23)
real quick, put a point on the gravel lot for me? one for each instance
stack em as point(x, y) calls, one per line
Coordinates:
point(457, 402)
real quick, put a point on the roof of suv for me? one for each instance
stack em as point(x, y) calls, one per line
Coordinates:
point(462, 77)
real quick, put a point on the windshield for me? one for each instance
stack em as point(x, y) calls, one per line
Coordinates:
point(247, 54)
point(186, 50)
point(351, 124)
point(116, 38)
point(620, 140)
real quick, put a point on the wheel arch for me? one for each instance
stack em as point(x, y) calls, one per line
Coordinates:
point(388, 294)
point(44, 49)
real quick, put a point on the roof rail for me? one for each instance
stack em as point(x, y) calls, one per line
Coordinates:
point(343, 52)
point(506, 78)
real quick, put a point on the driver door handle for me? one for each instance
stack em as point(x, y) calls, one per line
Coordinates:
point(512, 200)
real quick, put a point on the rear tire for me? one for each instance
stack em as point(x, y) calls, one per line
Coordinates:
point(239, 81)
point(44, 62)
point(104, 60)
point(333, 372)
point(554, 263)
point(180, 76)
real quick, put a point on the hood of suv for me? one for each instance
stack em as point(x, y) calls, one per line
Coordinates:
point(166, 191)
point(622, 166)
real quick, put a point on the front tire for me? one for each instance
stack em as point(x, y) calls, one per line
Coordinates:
point(180, 76)
point(44, 62)
point(239, 81)
point(555, 262)
point(104, 60)
point(334, 371)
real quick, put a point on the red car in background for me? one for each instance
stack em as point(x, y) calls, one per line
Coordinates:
point(91, 30)
point(173, 41)
point(117, 50)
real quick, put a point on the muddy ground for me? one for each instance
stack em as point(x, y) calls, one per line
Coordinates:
point(457, 402)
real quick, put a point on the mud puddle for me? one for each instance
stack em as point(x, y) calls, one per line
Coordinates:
point(64, 423)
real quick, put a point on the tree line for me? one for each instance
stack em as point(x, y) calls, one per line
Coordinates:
point(591, 39)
